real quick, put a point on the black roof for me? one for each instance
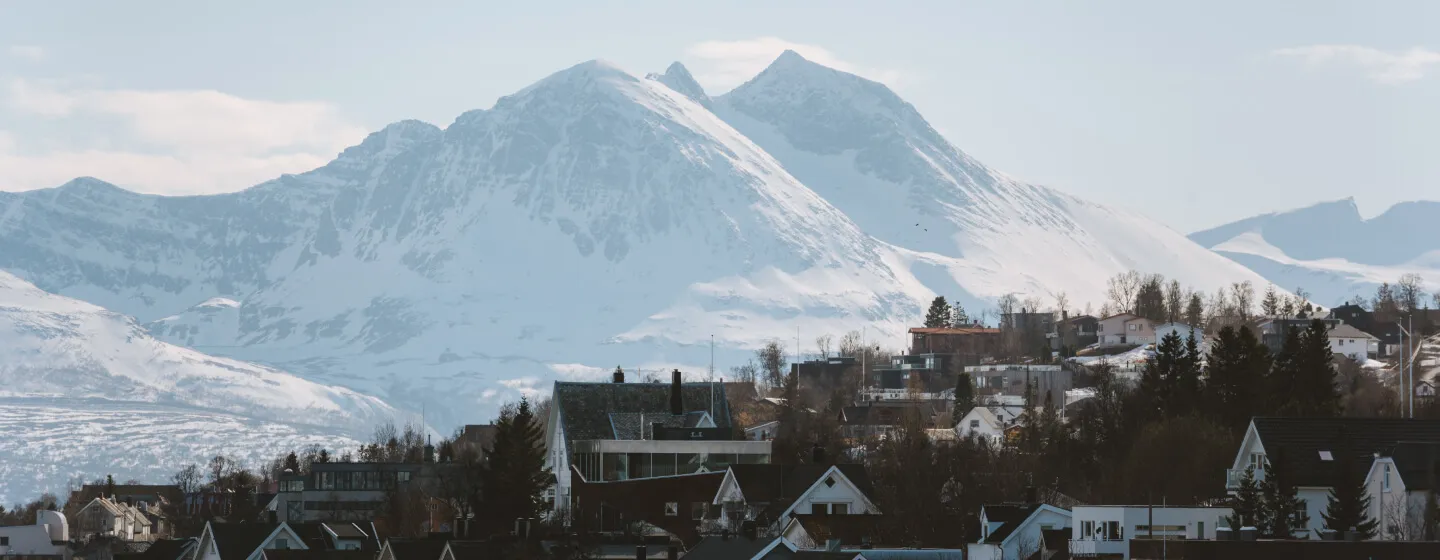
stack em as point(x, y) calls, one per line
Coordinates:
point(416, 549)
point(1010, 516)
point(1418, 464)
point(235, 541)
point(1302, 440)
point(587, 409)
point(827, 555)
point(319, 554)
point(474, 550)
point(780, 485)
point(728, 548)
point(167, 549)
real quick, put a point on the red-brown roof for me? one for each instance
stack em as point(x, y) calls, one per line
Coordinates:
point(949, 330)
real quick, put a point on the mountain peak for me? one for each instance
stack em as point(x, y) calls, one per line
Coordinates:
point(396, 137)
point(678, 78)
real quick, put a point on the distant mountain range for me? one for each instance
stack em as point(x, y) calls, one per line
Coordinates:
point(1331, 251)
point(594, 218)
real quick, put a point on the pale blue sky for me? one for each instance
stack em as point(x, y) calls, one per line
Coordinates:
point(1194, 113)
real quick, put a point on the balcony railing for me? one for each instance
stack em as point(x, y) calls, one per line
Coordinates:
point(1234, 476)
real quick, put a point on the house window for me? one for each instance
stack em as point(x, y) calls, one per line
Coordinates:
point(672, 509)
point(974, 424)
point(840, 509)
point(1110, 531)
point(829, 482)
point(1087, 529)
point(4, 541)
point(1387, 477)
point(697, 511)
point(282, 544)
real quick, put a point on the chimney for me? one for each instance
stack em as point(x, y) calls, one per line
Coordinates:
point(640, 552)
point(619, 376)
point(677, 404)
point(429, 451)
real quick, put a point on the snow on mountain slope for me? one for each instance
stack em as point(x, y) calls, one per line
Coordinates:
point(1331, 251)
point(875, 157)
point(84, 391)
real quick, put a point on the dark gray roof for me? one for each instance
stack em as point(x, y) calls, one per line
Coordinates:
point(235, 541)
point(416, 549)
point(1010, 516)
point(588, 410)
point(780, 485)
point(731, 548)
point(1302, 440)
point(167, 549)
point(1418, 464)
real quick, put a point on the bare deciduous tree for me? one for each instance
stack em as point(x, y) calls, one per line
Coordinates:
point(822, 344)
point(1122, 289)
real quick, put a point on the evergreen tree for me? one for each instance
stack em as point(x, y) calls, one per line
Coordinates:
point(1150, 299)
point(1157, 380)
point(1270, 304)
point(1185, 390)
point(323, 457)
point(958, 317)
point(1348, 505)
point(292, 463)
point(1248, 506)
point(1315, 374)
point(1235, 373)
point(1285, 396)
point(110, 486)
point(939, 313)
point(1195, 312)
point(1385, 302)
point(1284, 510)
point(515, 478)
point(964, 397)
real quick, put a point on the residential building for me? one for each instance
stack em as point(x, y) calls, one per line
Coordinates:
point(1401, 482)
point(47, 539)
point(1075, 332)
point(884, 418)
point(763, 432)
point(1273, 332)
point(1424, 390)
point(106, 518)
point(921, 373)
point(346, 491)
point(1310, 446)
point(1026, 333)
point(968, 345)
point(153, 500)
point(770, 495)
point(981, 423)
point(1106, 531)
point(479, 436)
point(825, 375)
point(741, 547)
point(1125, 329)
point(681, 505)
point(244, 541)
point(622, 431)
point(1011, 379)
point(1015, 531)
point(412, 549)
point(1353, 343)
point(812, 531)
point(1185, 332)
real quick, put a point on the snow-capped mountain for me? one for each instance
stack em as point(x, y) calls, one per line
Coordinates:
point(1331, 251)
point(591, 219)
point(60, 357)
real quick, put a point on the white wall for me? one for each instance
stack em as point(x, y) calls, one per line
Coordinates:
point(1316, 500)
point(1185, 332)
point(1354, 348)
point(28, 540)
point(986, 429)
point(1131, 517)
point(1028, 537)
point(842, 493)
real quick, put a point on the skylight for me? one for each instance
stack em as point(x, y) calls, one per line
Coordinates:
point(1326, 456)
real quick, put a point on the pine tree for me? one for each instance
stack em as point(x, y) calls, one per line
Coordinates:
point(1284, 510)
point(1270, 304)
point(1285, 395)
point(1185, 390)
point(1315, 373)
point(1348, 505)
point(939, 313)
point(1248, 506)
point(958, 317)
point(515, 478)
point(1195, 312)
point(1235, 374)
point(1150, 299)
point(964, 397)
point(1158, 378)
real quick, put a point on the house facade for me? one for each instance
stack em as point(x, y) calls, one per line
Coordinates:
point(1185, 332)
point(1400, 483)
point(1310, 446)
point(1353, 343)
point(106, 518)
point(1106, 531)
point(981, 423)
point(346, 491)
point(1125, 329)
point(771, 495)
point(245, 541)
point(1015, 531)
point(47, 539)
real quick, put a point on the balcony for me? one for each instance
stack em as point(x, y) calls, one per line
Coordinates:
point(1233, 477)
point(1092, 548)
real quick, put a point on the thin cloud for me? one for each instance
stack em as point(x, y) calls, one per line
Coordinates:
point(1385, 67)
point(31, 53)
point(722, 65)
point(172, 141)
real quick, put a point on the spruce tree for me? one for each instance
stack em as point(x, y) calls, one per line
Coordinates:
point(1185, 391)
point(292, 463)
point(939, 313)
point(1284, 510)
point(1270, 304)
point(1158, 378)
point(964, 397)
point(1348, 505)
point(515, 477)
point(1248, 505)
point(958, 317)
point(1283, 384)
point(1235, 372)
point(1195, 312)
point(1315, 374)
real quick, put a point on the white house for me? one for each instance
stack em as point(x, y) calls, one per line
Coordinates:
point(1400, 483)
point(1184, 331)
point(982, 423)
point(763, 432)
point(1125, 328)
point(1107, 530)
point(776, 493)
point(1310, 446)
point(103, 517)
point(1015, 531)
point(1353, 343)
point(48, 537)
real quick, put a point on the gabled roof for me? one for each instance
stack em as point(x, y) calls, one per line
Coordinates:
point(318, 554)
point(734, 548)
point(1347, 331)
point(780, 485)
point(237, 541)
point(1107, 318)
point(168, 549)
point(415, 549)
point(848, 529)
point(1009, 517)
point(472, 550)
point(1418, 464)
point(1302, 440)
point(587, 409)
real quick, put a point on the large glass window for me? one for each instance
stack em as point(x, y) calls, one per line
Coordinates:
point(614, 466)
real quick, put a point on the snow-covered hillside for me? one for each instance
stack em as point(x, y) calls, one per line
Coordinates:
point(589, 220)
point(1331, 251)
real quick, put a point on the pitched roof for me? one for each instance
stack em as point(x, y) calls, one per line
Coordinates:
point(416, 549)
point(587, 409)
point(1302, 440)
point(1418, 464)
point(1343, 330)
point(950, 330)
point(1010, 516)
point(147, 492)
point(235, 541)
point(728, 548)
point(474, 550)
point(167, 549)
point(848, 529)
point(827, 555)
point(780, 485)
point(319, 554)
